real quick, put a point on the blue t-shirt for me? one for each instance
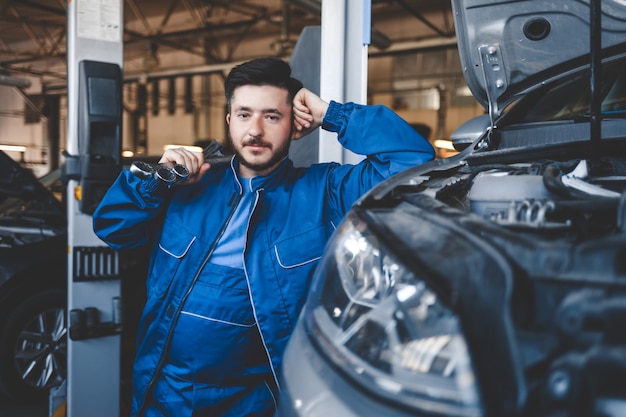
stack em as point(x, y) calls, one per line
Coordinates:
point(229, 250)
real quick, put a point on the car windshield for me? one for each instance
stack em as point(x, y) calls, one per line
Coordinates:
point(569, 100)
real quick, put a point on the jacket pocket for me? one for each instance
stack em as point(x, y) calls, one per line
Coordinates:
point(171, 253)
point(303, 248)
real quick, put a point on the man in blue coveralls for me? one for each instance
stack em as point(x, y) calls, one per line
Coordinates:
point(234, 247)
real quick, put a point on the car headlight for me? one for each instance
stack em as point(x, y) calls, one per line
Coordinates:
point(386, 329)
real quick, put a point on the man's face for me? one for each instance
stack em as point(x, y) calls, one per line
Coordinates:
point(260, 128)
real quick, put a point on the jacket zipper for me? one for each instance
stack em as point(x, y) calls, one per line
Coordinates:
point(182, 302)
point(245, 270)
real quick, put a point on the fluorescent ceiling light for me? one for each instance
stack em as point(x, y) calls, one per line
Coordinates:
point(464, 91)
point(188, 147)
point(444, 144)
point(13, 148)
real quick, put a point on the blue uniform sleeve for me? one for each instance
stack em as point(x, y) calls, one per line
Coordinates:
point(388, 143)
point(124, 217)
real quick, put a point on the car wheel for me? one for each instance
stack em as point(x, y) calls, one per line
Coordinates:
point(33, 347)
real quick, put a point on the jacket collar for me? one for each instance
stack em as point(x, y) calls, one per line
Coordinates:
point(272, 180)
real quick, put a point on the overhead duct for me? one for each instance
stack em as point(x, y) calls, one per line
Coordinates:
point(380, 40)
point(14, 81)
point(311, 6)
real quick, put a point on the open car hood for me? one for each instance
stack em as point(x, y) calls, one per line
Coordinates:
point(508, 48)
point(16, 181)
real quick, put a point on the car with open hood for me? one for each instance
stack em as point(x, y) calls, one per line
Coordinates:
point(493, 282)
point(33, 281)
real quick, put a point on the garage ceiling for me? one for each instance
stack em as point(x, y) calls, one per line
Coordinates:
point(33, 32)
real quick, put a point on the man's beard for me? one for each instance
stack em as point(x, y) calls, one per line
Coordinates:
point(278, 155)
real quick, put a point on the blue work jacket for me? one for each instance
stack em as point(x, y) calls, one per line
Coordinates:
point(294, 213)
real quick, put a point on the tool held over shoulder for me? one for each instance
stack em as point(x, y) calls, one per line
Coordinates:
point(213, 154)
point(170, 174)
point(167, 173)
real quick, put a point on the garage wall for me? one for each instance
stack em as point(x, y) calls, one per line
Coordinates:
point(406, 82)
point(21, 124)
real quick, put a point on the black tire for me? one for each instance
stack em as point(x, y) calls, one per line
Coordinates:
point(33, 347)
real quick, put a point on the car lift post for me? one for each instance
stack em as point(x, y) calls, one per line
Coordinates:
point(92, 161)
point(346, 35)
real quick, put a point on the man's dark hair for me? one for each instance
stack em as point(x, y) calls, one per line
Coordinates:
point(261, 71)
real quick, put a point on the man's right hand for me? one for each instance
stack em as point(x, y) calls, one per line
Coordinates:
point(193, 161)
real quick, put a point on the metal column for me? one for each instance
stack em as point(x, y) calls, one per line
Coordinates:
point(346, 33)
point(94, 36)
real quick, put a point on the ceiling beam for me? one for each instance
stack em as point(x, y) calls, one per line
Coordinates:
point(419, 16)
point(399, 47)
point(38, 6)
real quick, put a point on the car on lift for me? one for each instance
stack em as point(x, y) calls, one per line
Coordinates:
point(493, 282)
point(33, 283)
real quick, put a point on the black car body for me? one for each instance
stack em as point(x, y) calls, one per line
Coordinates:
point(33, 284)
point(491, 283)
point(33, 281)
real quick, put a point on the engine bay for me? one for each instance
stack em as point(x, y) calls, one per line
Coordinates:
point(561, 225)
point(576, 199)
